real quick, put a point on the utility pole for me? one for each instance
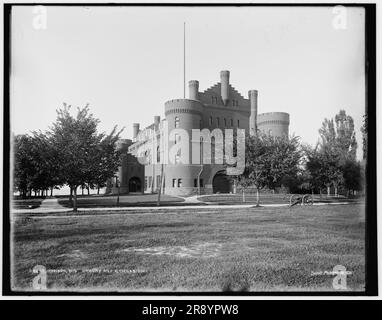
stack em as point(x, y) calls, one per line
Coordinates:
point(160, 184)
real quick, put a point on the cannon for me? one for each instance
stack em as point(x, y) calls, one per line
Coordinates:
point(297, 199)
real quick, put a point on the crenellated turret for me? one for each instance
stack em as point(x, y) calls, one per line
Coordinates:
point(193, 88)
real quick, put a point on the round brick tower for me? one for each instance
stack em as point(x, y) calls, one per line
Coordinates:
point(182, 114)
point(274, 123)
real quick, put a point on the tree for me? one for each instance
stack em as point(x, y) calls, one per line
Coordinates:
point(364, 136)
point(338, 146)
point(352, 176)
point(267, 160)
point(83, 153)
point(46, 162)
point(106, 160)
point(35, 164)
point(23, 170)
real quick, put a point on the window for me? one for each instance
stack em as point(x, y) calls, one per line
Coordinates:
point(231, 123)
point(238, 123)
point(173, 183)
point(177, 158)
point(176, 122)
point(158, 182)
point(176, 138)
point(179, 183)
point(150, 181)
point(210, 121)
point(158, 154)
point(225, 122)
point(145, 183)
point(217, 122)
point(147, 157)
point(196, 183)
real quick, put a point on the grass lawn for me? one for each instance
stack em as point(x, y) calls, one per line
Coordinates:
point(137, 200)
point(257, 249)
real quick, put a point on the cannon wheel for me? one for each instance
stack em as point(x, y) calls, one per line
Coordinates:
point(307, 200)
point(294, 199)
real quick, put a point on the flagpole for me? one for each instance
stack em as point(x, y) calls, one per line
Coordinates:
point(184, 60)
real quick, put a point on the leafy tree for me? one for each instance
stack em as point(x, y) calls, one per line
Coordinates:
point(83, 152)
point(364, 136)
point(338, 146)
point(352, 176)
point(23, 170)
point(46, 162)
point(267, 160)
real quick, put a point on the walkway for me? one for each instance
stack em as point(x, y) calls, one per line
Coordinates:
point(56, 208)
point(47, 205)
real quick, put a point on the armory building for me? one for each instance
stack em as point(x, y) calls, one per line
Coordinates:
point(221, 106)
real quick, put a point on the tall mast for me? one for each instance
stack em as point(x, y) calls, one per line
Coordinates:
point(184, 60)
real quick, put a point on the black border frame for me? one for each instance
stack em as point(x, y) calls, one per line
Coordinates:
point(371, 267)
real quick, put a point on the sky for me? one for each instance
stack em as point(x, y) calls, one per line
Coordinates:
point(126, 62)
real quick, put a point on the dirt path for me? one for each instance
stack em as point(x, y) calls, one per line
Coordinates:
point(50, 204)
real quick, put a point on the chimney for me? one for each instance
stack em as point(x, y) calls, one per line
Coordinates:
point(252, 95)
point(156, 122)
point(224, 80)
point(193, 89)
point(135, 130)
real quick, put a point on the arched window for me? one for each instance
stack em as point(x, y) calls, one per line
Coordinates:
point(238, 123)
point(217, 122)
point(210, 121)
point(158, 154)
point(225, 122)
point(177, 158)
point(231, 122)
point(176, 122)
point(147, 157)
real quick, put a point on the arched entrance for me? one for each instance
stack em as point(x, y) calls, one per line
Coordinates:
point(221, 183)
point(135, 185)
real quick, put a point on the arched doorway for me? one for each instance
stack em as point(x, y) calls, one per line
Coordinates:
point(135, 185)
point(221, 183)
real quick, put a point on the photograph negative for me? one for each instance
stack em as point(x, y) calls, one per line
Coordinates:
point(206, 149)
